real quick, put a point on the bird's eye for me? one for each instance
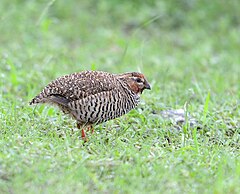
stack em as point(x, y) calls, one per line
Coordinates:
point(138, 80)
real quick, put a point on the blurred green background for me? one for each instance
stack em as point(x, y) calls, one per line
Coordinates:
point(185, 48)
point(177, 41)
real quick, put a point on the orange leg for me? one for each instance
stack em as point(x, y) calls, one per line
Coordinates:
point(79, 126)
point(91, 128)
point(83, 134)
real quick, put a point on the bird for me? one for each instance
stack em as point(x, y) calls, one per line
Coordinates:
point(94, 97)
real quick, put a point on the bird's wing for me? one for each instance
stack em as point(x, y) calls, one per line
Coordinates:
point(58, 99)
point(76, 86)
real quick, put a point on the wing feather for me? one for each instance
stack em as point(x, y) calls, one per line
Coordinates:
point(76, 86)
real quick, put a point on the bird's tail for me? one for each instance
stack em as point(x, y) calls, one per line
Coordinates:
point(38, 99)
point(54, 98)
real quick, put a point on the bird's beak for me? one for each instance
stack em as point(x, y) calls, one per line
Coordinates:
point(147, 86)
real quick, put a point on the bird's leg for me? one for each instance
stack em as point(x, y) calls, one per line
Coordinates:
point(83, 134)
point(90, 128)
point(79, 126)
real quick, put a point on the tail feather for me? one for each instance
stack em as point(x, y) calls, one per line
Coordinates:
point(36, 100)
point(51, 94)
point(41, 97)
point(54, 98)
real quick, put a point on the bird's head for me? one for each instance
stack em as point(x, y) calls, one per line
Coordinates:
point(135, 81)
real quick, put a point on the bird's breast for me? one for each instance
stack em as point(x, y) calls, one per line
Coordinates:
point(103, 106)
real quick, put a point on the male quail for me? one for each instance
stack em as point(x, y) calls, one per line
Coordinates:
point(93, 97)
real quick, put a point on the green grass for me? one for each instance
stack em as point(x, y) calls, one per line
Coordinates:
point(188, 50)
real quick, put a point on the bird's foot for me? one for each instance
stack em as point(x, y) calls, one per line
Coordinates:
point(90, 128)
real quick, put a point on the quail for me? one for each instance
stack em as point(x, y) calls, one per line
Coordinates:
point(93, 97)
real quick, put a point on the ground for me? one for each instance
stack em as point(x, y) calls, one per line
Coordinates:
point(189, 52)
